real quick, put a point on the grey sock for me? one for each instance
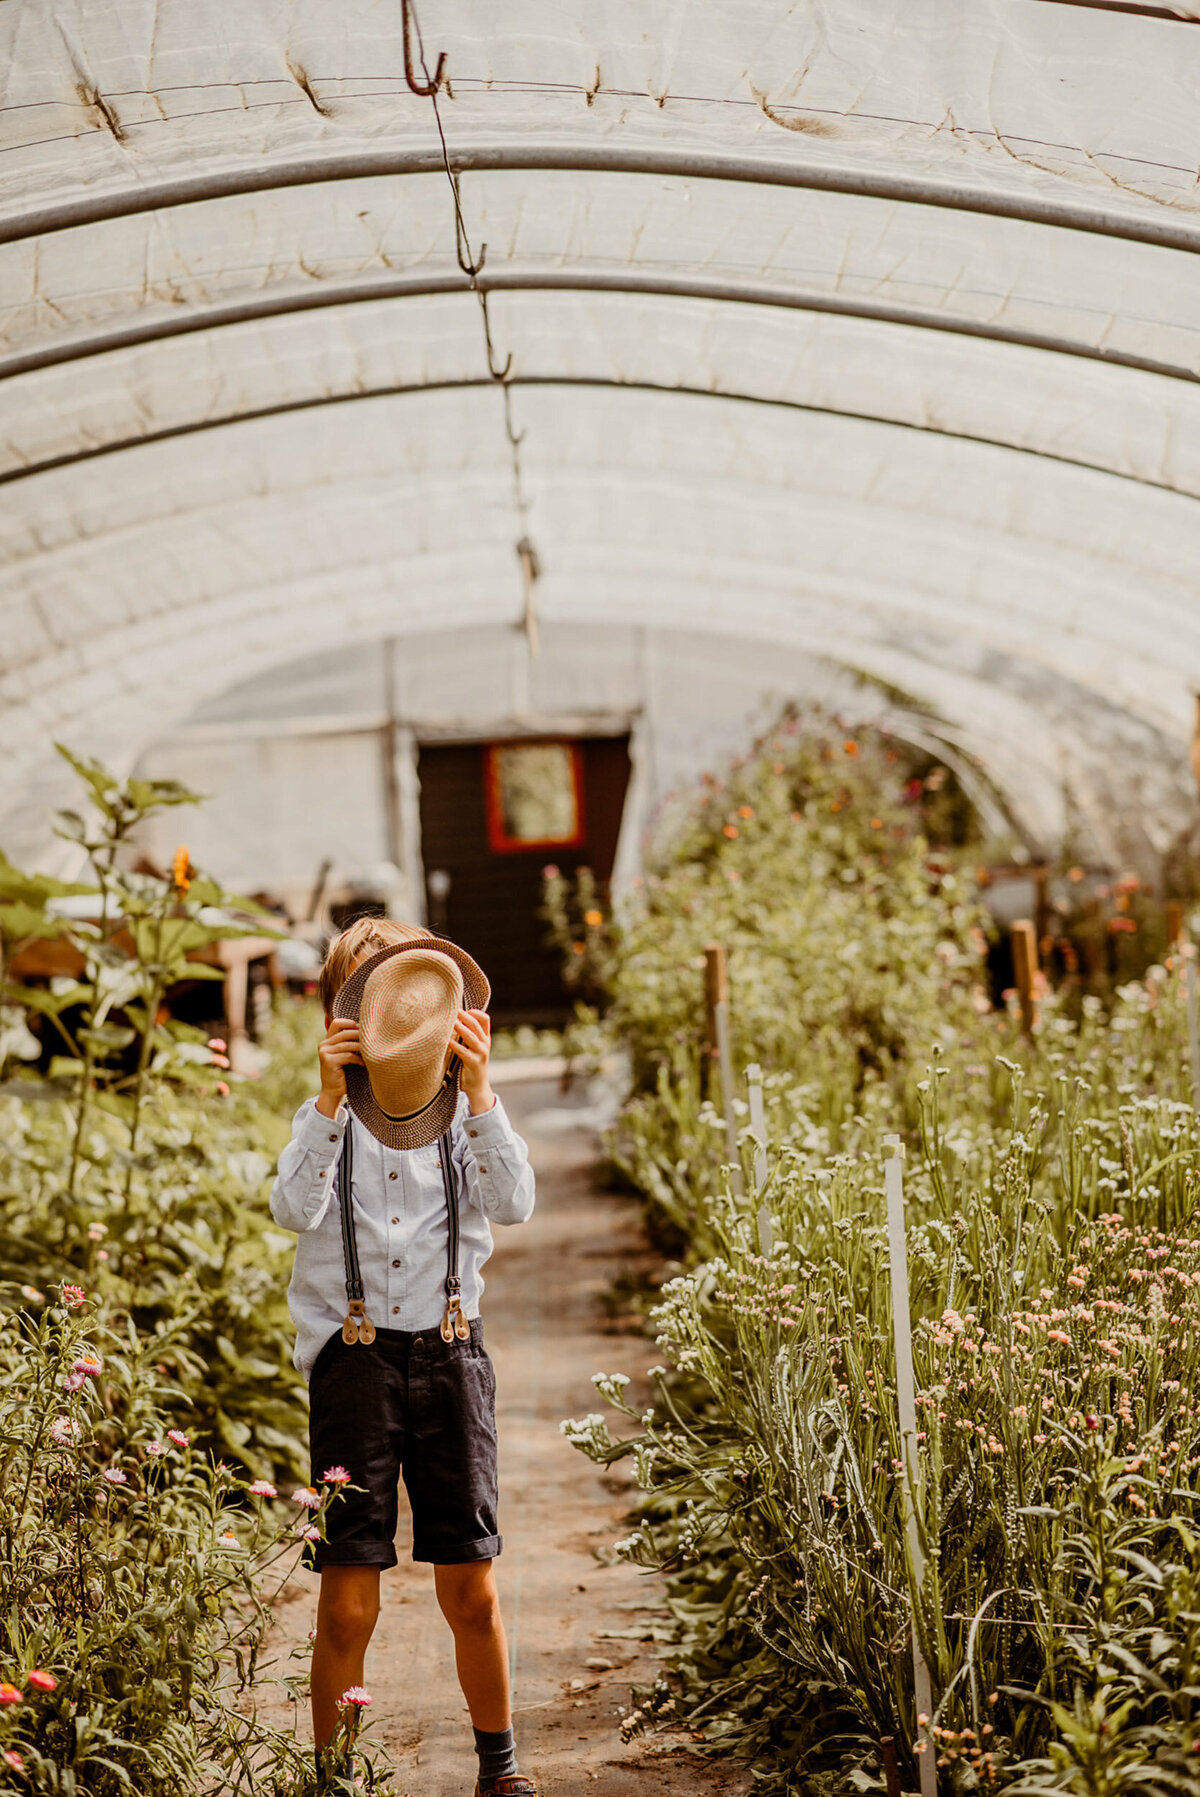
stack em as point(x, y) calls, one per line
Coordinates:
point(497, 1754)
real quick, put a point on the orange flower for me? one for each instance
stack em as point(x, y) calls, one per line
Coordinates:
point(745, 811)
point(851, 747)
point(579, 948)
point(593, 919)
point(877, 823)
point(181, 869)
point(731, 831)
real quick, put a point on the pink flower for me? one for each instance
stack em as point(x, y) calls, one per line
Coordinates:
point(64, 1431)
point(309, 1499)
point(222, 1089)
point(73, 1295)
point(262, 1488)
point(43, 1681)
point(97, 1232)
point(114, 1475)
point(309, 1531)
point(218, 1042)
point(89, 1365)
point(1057, 1335)
point(178, 1437)
point(356, 1698)
point(103, 1254)
point(154, 1447)
point(72, 1382)
point(13, 1759)
point(337, 1475)
point(9, 1693)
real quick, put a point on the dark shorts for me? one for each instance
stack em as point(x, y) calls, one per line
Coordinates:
point(411, 1405)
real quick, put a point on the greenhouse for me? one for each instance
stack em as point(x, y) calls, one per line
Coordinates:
point(617, 579)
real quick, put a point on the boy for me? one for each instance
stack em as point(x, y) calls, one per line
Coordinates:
point(399, 1379)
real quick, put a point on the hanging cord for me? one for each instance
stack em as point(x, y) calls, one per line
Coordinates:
point(472, 267)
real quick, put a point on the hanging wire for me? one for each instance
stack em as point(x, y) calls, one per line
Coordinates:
point(472, 267)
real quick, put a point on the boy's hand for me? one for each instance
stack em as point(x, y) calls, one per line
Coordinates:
point(472, 1040)
point(338, 1051)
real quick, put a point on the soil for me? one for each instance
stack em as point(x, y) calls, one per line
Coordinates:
point(580, 1623)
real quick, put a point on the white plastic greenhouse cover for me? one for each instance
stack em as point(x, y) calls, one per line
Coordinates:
point(863, 325)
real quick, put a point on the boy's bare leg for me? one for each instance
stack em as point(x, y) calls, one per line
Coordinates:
point(347, 1611)
point(469, 1602)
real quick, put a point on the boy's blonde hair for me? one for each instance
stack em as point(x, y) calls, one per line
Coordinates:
point(365, 936)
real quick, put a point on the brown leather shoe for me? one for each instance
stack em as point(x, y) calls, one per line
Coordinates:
point(515, 1784)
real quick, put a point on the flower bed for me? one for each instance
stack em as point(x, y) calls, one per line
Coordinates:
point(1054, 1250)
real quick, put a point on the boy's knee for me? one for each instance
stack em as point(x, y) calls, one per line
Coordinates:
point(470, 1604)
point(349, 1612)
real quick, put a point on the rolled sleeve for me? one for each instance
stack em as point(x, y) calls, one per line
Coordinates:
point(304, 1181)
point(496, 1171)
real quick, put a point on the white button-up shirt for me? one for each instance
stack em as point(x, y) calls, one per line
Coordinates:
point(399, 1204)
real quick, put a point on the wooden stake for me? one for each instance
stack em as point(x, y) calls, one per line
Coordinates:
point(893, 1177)
point(716, 991)
point(758, 1128)
point(891, 1770)
point(1025, 966)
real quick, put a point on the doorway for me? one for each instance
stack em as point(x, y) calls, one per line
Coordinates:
point(493, 814)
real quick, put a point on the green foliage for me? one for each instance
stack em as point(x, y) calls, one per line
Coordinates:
point(137, 1578)
point(1054, 1259)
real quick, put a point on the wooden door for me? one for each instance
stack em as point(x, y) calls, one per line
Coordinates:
point(488, 830)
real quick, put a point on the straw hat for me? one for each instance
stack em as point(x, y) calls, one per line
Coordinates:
point(405, 1000)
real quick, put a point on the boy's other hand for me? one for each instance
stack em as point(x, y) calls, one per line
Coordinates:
point(339, 1050)
point(473, 1044)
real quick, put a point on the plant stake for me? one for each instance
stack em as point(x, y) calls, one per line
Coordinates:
point(1193, 1021)
point(893, 1178)
point(717, 992)
point(758, 1129)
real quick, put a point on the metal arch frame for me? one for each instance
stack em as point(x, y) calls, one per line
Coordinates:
point(407, 389)
point(573, 158)
point(921, 318)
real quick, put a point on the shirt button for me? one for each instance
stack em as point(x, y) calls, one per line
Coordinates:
point(483, 1169)
point(333, 1138)
point(395, 1263)
point(472, 1132)
point(395, 1219)
point(395, 1310)
point(391, 1176)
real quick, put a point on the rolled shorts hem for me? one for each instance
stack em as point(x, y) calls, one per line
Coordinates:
point(354, 1553)
point(488, 1547)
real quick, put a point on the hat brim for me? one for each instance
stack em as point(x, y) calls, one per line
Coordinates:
point(419, 1128)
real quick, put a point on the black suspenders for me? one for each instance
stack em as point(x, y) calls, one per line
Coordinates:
point(358, 1326)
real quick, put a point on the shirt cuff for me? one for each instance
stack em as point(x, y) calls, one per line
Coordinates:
point(318, 1133)
point(488, 1125)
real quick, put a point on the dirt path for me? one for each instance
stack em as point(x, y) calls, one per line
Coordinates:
point(566, 1609)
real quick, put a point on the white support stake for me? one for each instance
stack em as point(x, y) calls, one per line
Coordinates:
point(1193, 1020)
point(725, 1062)
point(758, 1129)
point(893, 1177)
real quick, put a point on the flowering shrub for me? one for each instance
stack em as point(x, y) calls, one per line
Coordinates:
point(1054, 1257)
point(137, 1574)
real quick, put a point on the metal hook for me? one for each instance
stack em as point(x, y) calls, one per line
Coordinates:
point(425, 90)
point(469, 268)
point(497, 374)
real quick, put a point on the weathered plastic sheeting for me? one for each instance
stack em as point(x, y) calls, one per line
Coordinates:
point(243, 395)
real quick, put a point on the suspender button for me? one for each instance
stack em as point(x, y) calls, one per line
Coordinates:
point(395, 1263)
point(391, 1176)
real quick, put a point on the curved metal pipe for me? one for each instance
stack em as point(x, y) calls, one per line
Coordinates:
point(406, 389)
point(360, 165)
point(923, 318)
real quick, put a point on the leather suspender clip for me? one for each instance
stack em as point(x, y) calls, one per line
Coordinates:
point(454, 1323)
